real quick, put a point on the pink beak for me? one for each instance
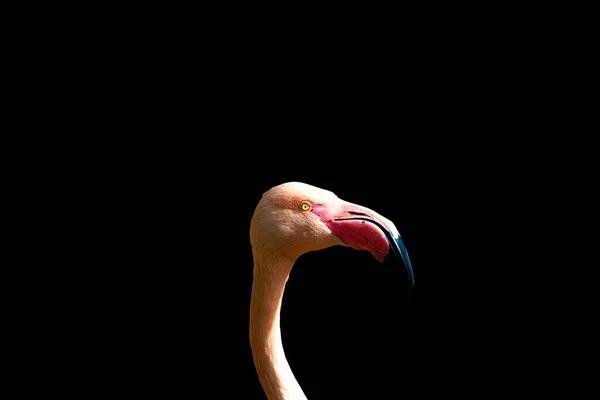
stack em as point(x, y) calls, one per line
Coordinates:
point(363, 229)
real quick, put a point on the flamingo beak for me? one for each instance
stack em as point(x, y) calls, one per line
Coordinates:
point(397, 247)
point(359, 241)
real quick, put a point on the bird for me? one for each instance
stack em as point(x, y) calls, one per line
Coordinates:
point(291, 219)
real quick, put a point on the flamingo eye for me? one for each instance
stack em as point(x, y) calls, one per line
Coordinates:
point(305, 206)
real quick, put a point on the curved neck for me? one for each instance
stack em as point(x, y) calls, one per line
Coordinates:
point(274, 372)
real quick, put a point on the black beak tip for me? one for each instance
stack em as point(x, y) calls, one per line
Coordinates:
point(400, 252)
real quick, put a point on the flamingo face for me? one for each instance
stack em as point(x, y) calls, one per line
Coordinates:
point(294, 218)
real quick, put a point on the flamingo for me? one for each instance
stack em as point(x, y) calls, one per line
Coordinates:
point(291, 219)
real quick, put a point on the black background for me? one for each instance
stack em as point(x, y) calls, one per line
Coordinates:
point(160, 130)
point(187, 142)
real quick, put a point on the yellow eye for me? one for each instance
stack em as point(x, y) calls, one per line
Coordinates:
point(305, 206)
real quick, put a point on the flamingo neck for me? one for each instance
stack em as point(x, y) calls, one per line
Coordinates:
point(273, 369)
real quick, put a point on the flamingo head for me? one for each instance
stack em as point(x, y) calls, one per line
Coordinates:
point(294, 218)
